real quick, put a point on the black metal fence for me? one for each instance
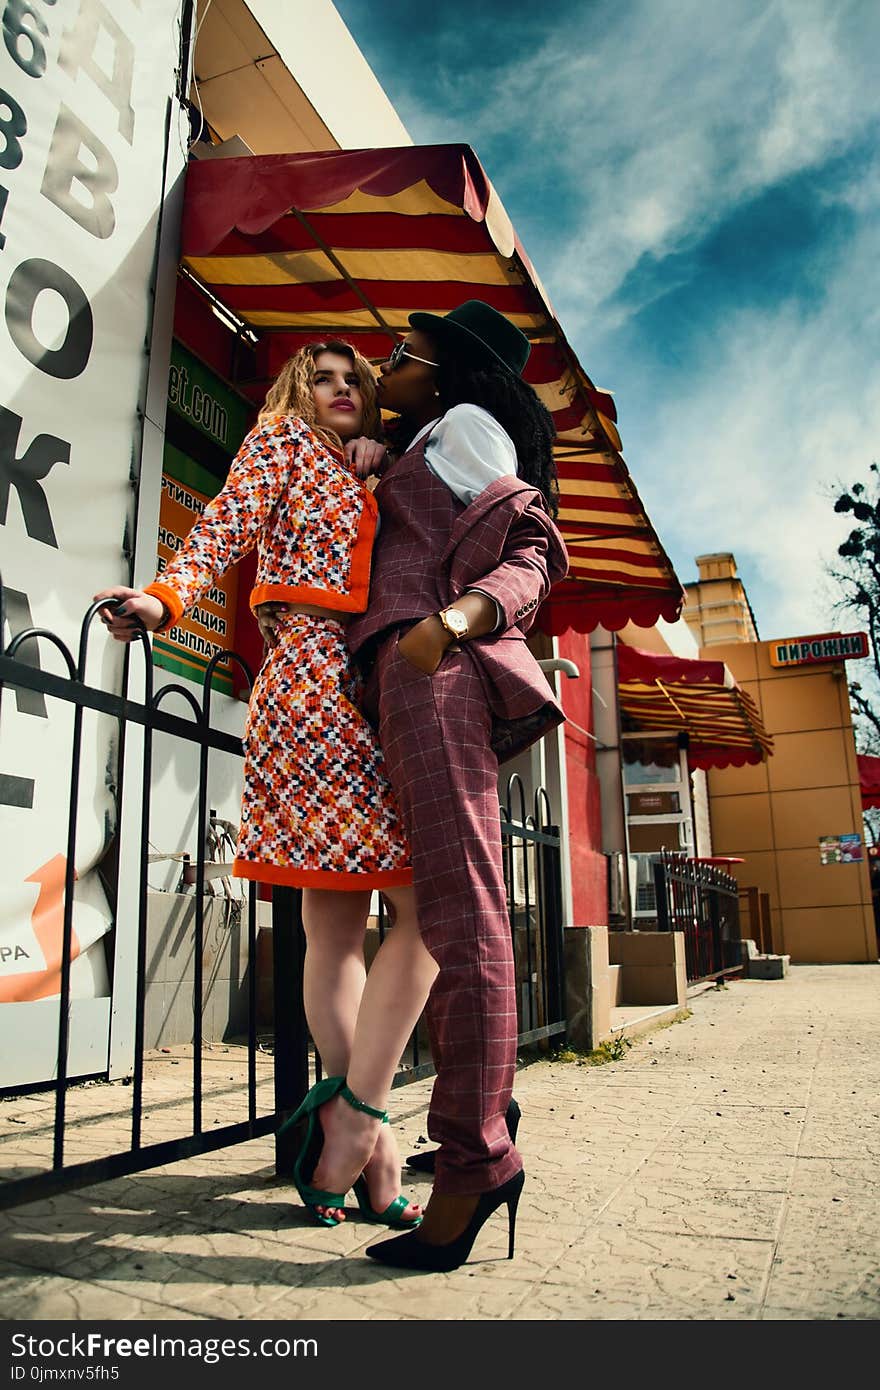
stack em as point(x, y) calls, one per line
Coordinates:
point(701, 901)
point(533, 874)
point(532, 867)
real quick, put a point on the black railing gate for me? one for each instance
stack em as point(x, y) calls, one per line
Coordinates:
point(700, 900)
point(532, 869)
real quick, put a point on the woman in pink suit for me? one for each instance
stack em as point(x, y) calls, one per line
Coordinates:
point(467, 550)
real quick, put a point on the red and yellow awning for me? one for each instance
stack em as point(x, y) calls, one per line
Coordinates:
point(700, 698)
point(350, 243)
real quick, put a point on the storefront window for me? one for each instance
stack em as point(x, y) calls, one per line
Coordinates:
point(649, 761)
point(658, 810)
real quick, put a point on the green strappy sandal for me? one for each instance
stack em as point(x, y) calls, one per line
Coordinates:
point(393, 1213)
point(310, 1153)
point(310, 1149)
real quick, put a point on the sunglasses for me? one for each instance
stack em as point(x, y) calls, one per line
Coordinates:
point(400, 351)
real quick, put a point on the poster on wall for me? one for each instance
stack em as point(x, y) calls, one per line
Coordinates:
point(86, 98)
point(209, 626)
point(206, 424)
point(840, 849)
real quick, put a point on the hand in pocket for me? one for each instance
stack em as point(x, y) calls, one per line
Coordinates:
point(424, 645)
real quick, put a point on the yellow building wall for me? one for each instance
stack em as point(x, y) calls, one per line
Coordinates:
point(773, 815)
point(716, 607)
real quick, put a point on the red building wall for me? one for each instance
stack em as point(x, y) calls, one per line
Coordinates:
point(589, 873)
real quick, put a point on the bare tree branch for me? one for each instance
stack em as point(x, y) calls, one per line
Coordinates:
point(856, 572)
point(865, 708)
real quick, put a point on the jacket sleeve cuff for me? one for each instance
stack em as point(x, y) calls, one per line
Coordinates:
point(500, 615)
point(496, 589)
point(171, 600)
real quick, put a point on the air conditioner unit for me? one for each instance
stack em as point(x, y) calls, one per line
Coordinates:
point(644, 895)
point(524, 862)
point(616, 883)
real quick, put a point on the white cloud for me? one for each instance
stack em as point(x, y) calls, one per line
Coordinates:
point(656, 120)
point(652, 123)
point(787, 407)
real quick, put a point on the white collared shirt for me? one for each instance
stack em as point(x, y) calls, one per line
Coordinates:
point(468, 450)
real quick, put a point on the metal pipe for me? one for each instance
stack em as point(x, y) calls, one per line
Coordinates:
point(560, 663)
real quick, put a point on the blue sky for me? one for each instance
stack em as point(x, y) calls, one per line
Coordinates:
point(698, 185)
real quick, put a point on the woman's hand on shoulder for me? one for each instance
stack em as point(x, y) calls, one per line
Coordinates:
point(365, 456)
point(139, 611)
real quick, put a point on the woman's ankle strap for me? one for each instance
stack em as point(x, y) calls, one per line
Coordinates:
point(362, 1105)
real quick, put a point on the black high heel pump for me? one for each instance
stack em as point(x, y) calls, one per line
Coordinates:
point(409, 1252)
point(426, 1162)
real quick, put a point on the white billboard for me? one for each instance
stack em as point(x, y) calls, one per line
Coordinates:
point(91, 138)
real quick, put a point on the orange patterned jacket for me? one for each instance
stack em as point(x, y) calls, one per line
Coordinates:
point(292, 496)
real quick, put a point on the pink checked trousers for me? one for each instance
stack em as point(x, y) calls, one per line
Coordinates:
point(435, 731)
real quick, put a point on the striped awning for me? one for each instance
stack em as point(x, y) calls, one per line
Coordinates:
point(350, 243)
point(699, 698)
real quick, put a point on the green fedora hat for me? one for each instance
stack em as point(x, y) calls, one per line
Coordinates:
point(481, 329)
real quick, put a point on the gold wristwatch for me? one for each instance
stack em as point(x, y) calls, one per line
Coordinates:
point(454, 621)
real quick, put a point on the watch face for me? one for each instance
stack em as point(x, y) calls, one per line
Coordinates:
point(456, 621)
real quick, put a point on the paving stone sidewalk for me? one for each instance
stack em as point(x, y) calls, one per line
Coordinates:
point(726, 1167)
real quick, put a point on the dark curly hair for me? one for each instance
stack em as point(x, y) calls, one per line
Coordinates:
point(514, 404)
point(516, 407)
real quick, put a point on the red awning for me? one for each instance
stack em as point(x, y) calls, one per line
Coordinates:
point(700, 698)
point(869, 780)
point(351, 243)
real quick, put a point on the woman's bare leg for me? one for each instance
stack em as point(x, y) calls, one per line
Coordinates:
point(333, 975)
point(334, 972)
point(397, 987)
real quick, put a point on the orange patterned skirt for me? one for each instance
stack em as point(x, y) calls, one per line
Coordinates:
point(317, 810)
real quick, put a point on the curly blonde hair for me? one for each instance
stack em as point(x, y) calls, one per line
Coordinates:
point(291, 391)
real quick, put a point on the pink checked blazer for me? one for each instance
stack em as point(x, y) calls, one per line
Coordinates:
point(431, 548)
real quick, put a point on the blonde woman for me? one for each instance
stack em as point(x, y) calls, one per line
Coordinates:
point(317, 811)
